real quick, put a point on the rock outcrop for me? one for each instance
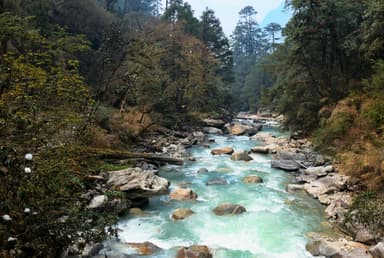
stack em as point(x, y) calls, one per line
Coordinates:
point(137, 183)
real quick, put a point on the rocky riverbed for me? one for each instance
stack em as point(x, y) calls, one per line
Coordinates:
point(313, 173)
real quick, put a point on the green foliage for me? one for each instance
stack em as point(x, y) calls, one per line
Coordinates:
point(336, 128)
point(367, 209)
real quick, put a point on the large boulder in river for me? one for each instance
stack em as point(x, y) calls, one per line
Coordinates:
point(138, 183)
point(224, 150)
point(146, 248)
point(241, 155)
point(182, 194)
point(228, 209)
point(181, 213)
point(239, 129)
point(252, 179)
point(287, 165)
point(196, 251)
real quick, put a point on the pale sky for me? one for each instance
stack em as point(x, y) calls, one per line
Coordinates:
point(228, 10)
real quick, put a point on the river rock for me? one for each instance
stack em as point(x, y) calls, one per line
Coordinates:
point(377, 251)
point(217, 181)
point(294, 187)
point(196, 251)
point(335, 246)
point(225, 150)
point(181, 213)
point(146, 248)
point(199, 137)
point(238, 129)
point(228, 209)
point(241, 156)
point(218, 123)
point(202, 171)
point(98, 202)
point(260, 149)
point(212, 130)
point(252, 179)
point(287, 165)
point(137, 183)
point(182, 194)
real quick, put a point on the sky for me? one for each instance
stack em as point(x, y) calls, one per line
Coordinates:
point(228, 11)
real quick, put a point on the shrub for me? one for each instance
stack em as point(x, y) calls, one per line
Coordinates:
point(367, 209)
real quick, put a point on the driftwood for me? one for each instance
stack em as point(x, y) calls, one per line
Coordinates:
point(121, 155)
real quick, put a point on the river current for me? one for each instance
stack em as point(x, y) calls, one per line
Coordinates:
point(274, 225)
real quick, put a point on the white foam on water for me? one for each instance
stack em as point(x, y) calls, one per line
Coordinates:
point(270, 228)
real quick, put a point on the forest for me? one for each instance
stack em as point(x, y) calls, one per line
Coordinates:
point(74, 73)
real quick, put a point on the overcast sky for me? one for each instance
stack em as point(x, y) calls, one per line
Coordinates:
point(227, 10)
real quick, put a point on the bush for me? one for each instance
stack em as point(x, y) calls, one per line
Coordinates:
point(367, 209)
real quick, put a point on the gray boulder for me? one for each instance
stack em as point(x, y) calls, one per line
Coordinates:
point(137, 183)
point(286, 165)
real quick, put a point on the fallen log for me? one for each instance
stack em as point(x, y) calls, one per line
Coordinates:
point(120, 155)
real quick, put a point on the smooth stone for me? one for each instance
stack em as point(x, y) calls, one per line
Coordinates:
point(260, 149)
point(241, 156)
point(228, 209)
point(182, 194)
point(181, 213)
point(146, 248)
point(252, 180)
point(196, 251)
point(225, 150)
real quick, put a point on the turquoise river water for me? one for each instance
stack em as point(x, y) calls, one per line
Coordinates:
point(274, 225)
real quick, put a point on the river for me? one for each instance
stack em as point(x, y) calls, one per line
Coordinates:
point(274, 225)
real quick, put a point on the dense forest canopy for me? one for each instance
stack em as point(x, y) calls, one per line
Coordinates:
point(71, 71)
